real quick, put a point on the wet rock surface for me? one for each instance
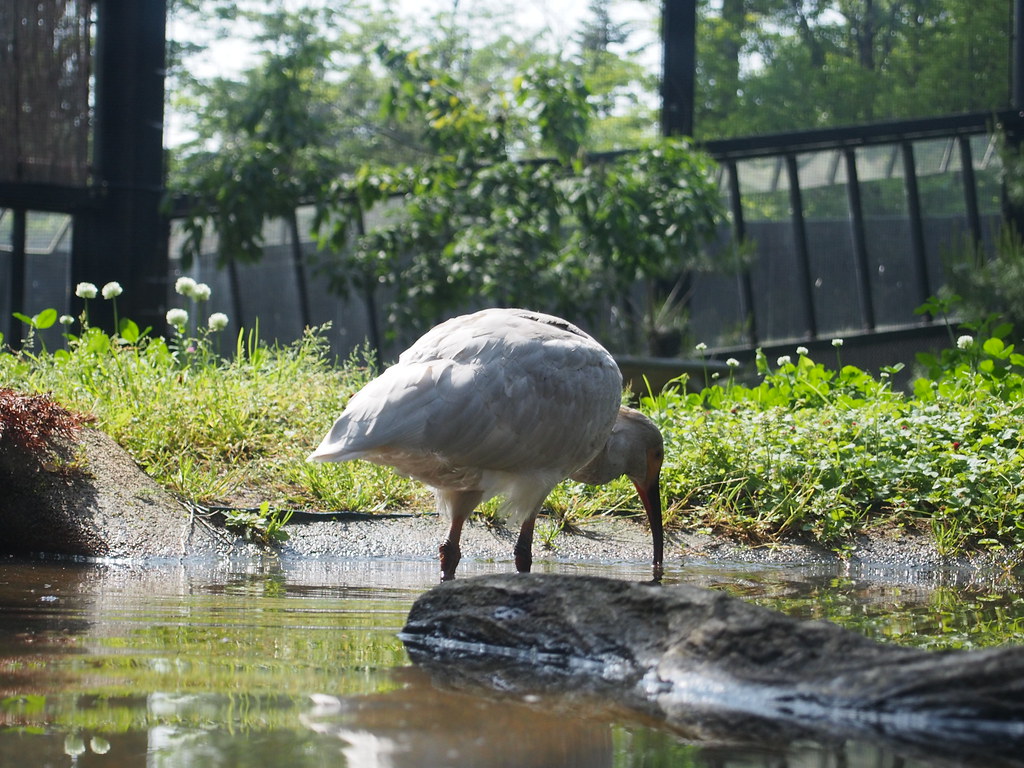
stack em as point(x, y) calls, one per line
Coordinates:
point(713, 666)
point(97, 503)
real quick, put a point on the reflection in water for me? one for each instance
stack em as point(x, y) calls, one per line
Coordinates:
point(297, 664)
point(419, 725)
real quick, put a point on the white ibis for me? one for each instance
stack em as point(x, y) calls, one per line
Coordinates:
point(502, 402)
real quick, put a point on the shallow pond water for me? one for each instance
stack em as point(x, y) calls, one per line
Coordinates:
point(298, 664)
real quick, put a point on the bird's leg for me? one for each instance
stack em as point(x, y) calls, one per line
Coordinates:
point(450, 552)
point(524, 546)
point(457, 505)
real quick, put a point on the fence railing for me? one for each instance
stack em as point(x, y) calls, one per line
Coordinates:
point(849, 228)
point(847, 231)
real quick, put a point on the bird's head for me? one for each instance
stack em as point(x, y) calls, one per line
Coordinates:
point(637, 443)
point(635, 449)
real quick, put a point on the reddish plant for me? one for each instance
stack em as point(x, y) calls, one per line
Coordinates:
point(31, 422)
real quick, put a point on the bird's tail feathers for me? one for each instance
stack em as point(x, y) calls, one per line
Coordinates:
point(328, 451)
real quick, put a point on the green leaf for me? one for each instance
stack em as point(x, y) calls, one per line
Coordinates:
point(29, 321)
point(129, 330)
point(98, 344)
point(994, 347)
point(45, 319)
point(1002, 330)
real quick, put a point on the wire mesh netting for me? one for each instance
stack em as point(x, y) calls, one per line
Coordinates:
point(44, 91)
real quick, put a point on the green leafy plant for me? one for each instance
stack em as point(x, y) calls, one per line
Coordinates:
point(480, 218)
point(828, 454)
point(263, 524)
point(807, 450)
point(38, 322)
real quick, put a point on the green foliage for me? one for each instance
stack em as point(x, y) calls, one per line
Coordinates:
point(474, 222)
point(266, 144)
point(807, 450)
point(264, 524)
point(355, 485)
point(317, 104)
point(984, 288)
point(826, 454)
point(773, 65)
point(210, 429)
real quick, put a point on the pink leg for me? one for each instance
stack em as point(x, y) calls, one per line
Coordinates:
point(450, 552)
point(457, 505)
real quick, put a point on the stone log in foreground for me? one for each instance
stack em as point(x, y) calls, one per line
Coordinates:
point(713, 666)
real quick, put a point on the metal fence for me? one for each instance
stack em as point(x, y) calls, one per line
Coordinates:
point(848, 231)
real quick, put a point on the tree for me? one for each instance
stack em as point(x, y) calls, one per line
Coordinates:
point(623, 92)
point(778, 65)
point(310, 110)
point(264, 147)
point(475, 223)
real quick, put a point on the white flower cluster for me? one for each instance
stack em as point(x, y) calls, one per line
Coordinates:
point(218, 321)
point(177, 317)
point(89, 290)
point(189, 288)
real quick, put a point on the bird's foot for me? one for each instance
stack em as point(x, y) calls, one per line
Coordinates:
point(450, 557)
point(657, 572)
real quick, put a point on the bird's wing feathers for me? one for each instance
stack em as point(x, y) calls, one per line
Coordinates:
point(386, 411)
point(501, 390)
point(525, 392)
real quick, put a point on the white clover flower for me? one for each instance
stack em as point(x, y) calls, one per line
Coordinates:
point(112, 289)
point(86, 291)
point(66, 320)
point(732, 362)
point(783, 360)
point(177, 317)
point(965, 342)
point(802, 351)
point(74, 745)
point(715, 375)
point(201, 292)
point(701, 347)
point(185, 286)
point(218, 321)
point(837, 343)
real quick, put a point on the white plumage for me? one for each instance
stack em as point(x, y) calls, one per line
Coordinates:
point(501, 402)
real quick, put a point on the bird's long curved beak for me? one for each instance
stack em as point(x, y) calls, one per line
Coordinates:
point(650, 496)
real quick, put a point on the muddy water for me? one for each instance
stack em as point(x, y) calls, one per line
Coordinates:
point(297, 664)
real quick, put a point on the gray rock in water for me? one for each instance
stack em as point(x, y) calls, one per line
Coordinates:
point(710, 665)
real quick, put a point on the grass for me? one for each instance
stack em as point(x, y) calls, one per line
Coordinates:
point(814, 452)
